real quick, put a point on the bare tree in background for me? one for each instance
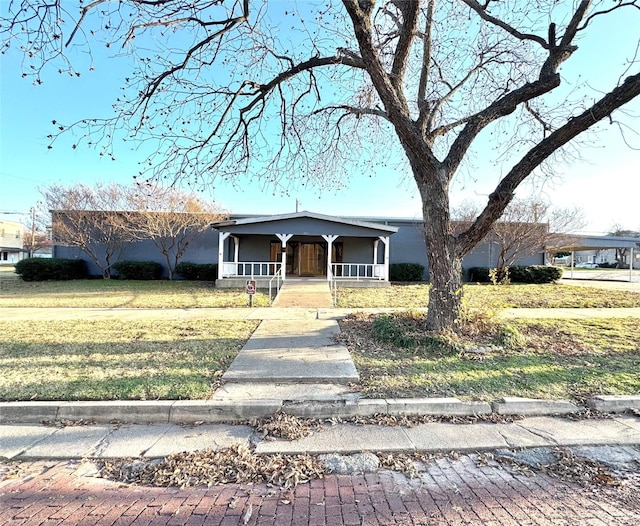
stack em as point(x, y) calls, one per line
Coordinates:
point(36, 242)
point(37, 235)
point(622, 252)
point(171, 219)
point(526, 227)
point(92, 219)
point(218, 90)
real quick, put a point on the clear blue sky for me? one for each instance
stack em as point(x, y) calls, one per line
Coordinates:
point(605, 183)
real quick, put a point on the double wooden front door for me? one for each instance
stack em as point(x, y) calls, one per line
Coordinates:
point(306, 258)
point(311, 259)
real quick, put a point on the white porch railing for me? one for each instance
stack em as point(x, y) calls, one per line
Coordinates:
point(278, 284)
point(252, 269)
point(358, 271)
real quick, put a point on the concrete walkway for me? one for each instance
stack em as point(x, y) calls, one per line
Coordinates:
point(32, 441)
point(274, 313)
point(304, 293)
point(290, 360)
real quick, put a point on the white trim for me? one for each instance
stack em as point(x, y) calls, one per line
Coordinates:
point(329, 238)
point(283, 239)
point(222, 236)
point(385, 240)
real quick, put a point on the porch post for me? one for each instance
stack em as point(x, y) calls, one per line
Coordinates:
point(236, 249)
point(222, 236)
point(385, 240)
point(283, 239)
point(375, 250)
point(329, 238)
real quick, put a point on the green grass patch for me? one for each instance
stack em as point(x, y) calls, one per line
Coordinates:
point(116, 360)
point(557, 359)
point(491, 296)
point(123, 294)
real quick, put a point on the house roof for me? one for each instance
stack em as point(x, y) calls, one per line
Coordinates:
point(245, 221)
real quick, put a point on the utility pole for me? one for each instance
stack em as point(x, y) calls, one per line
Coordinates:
point(33, 230)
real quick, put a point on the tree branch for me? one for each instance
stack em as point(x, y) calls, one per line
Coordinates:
point(482, 13)
point(358, 112)
point(426, 63)
point(500, 108)
point(410, 12)
point(504, 192)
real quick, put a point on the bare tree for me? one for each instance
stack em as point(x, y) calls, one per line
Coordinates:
point(622, 252)
point(37, 235)
point(527, 227)
point(36, 242)
point(217, 91)
point(170, 219)
point(92, 219)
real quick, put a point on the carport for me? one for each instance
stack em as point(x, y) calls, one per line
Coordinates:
point(581, 243)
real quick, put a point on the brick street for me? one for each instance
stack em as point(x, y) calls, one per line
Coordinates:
point(450, 492)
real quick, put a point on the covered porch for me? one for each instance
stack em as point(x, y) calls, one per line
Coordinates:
point(302, 245)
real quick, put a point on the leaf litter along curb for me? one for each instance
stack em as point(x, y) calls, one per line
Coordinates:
point(237, 464)
point(240, 464)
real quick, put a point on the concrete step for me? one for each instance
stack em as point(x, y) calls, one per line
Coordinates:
point(284, 392)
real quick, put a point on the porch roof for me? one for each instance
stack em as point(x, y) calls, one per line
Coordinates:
point(304, 223)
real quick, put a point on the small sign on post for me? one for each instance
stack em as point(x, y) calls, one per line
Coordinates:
point(251, 290)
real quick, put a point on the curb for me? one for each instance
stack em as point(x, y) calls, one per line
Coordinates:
point(190, 411)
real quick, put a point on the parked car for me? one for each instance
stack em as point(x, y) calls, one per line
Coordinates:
point(587, 265)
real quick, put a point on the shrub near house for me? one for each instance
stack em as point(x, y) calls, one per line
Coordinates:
point(41, 269)
point(406, 272)
point(197, 271)
point(143, 270)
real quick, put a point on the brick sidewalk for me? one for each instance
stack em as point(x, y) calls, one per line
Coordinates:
point(449, 492)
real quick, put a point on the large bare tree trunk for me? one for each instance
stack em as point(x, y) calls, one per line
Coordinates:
point(445, 262)
point(445, 295)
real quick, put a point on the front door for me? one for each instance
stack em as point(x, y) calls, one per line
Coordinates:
point(312, 259)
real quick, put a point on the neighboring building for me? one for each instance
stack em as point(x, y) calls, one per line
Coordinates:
point(361, 248)
point(11, 242)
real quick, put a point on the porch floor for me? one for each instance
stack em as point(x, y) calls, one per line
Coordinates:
point(304, 293)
